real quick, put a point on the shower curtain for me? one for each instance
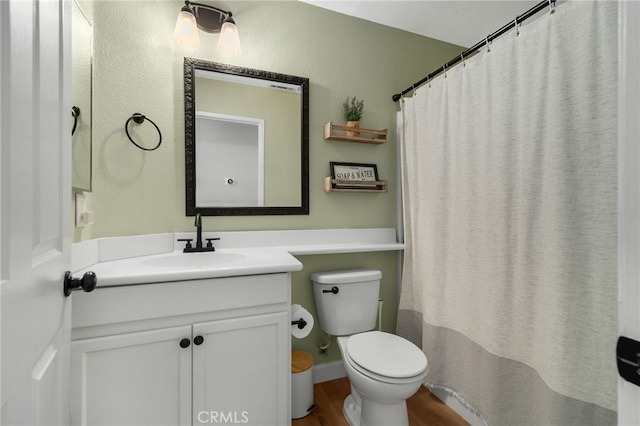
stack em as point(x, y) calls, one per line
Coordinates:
point(509, 197)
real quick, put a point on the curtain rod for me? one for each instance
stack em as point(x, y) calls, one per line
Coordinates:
point(519, 19)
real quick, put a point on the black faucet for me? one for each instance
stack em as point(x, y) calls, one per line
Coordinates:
point(198, 226)
point(198, 248)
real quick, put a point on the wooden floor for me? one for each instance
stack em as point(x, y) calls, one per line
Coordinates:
point(424, 407)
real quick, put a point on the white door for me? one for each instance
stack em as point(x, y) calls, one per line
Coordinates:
point(229, 160)
point(629, 201)
point(133, 379)
point(241, 370)
point(35, 191)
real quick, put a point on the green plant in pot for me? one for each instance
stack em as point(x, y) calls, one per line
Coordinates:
point(353, 113)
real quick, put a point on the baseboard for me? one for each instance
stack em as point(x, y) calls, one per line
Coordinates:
point(328, 371)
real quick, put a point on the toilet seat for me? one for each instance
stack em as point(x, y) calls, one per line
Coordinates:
point(386, 357)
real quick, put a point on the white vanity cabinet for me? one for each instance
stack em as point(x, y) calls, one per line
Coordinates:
point(239, 368)
point(210, 351)
point(132, 379)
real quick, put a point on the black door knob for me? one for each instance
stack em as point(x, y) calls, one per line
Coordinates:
point(86, 283)
point(184, 343)
point(198, 340)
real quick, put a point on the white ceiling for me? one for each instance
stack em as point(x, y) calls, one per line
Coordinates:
point(461, 22)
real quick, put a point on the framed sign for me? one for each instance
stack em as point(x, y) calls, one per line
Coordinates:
point(354, 175)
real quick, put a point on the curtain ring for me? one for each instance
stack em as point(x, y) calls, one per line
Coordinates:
point(515, 24)
point(552, 7)
point(488, 43)
point(464, 63)
point(444, 67)
point(429, 81)
point(139, 119)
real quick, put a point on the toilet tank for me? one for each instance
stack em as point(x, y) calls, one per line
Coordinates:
point(347, 301)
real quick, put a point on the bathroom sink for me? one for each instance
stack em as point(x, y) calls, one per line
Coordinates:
point(179, 266)
point(193, 260)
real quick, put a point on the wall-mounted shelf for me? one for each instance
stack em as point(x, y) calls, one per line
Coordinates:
point(338, 133)
point(328, 185)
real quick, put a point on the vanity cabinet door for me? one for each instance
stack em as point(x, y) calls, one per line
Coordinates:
point(241, 370)
point(133, 379)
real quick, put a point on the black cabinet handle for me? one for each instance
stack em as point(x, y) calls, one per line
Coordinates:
point(198, 340)
point(333, 290)
point(87, 282)
point(184, 343)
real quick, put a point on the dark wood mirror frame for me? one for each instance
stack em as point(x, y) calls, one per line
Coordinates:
point(190, 66)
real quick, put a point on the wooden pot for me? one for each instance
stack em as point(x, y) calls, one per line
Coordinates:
point(353, 125)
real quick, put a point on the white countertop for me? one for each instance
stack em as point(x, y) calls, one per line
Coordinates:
point(131, 260)
point(158, 267)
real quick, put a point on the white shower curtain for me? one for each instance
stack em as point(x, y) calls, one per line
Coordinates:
point(509, 188)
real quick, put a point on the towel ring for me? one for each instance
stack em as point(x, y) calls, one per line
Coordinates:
point(75, 113)
point(139, 119)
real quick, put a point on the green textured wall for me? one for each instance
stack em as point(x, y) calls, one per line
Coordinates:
point(137, 68)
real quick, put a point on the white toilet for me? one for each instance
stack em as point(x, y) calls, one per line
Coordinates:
point(383, 369)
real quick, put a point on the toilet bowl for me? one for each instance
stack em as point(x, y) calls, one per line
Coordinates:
point(383, 369)
point(380, 386)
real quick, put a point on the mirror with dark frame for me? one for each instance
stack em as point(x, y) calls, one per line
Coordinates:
point(246, 141)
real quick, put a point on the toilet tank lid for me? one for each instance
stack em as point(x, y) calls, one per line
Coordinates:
point(347, 276)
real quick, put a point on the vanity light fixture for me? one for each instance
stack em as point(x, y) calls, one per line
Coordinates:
point(186, 30)
point(210, 19)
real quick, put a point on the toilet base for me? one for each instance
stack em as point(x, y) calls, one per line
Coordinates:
point(378, 414)
point(351, 411)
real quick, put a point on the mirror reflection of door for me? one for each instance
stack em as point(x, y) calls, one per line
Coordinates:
point(229, 160)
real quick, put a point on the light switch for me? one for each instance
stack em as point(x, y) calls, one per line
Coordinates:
point(83, 217)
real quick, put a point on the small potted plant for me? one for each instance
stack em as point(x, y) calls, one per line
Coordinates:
point(353, 113)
